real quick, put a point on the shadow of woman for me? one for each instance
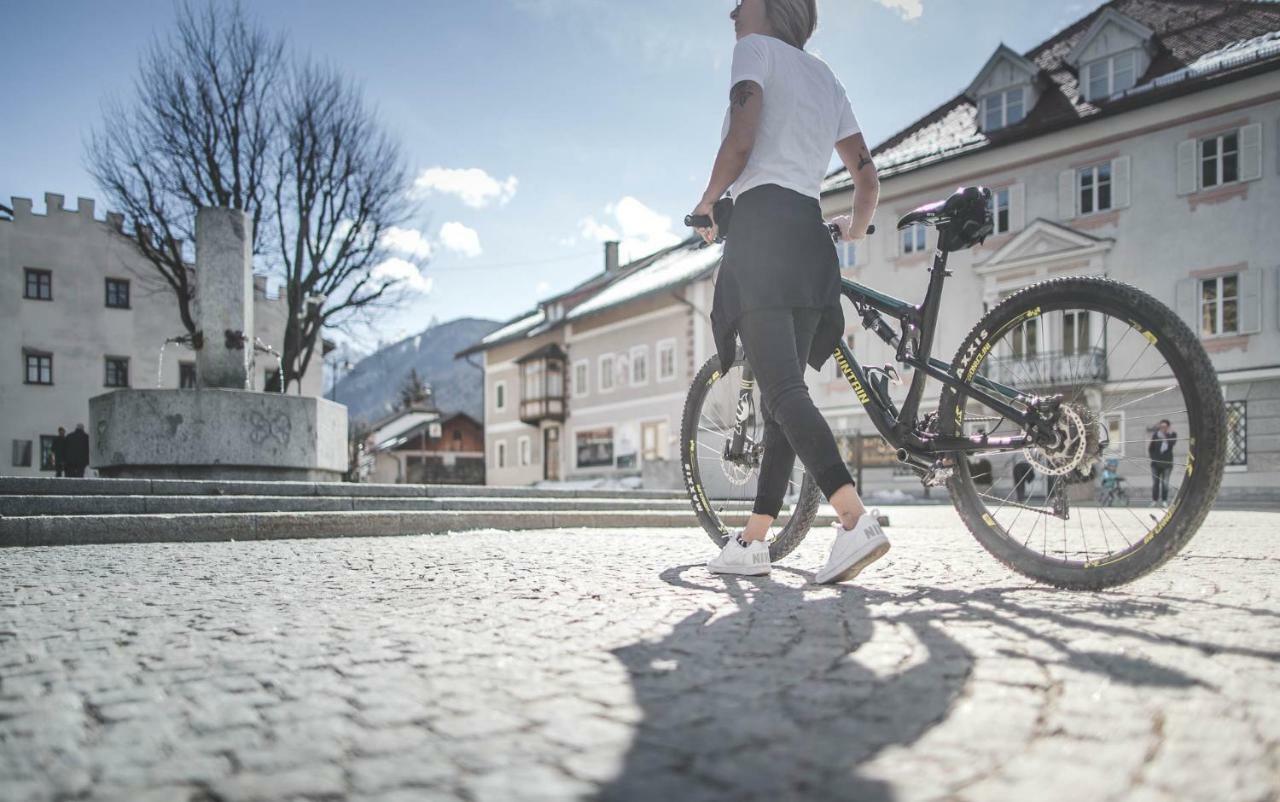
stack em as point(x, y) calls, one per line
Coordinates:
point(773, 700)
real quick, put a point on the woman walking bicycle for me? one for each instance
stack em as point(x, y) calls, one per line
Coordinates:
point(778, 286)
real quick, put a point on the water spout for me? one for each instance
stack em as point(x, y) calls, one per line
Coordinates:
point(182, 338)
point(259, 345)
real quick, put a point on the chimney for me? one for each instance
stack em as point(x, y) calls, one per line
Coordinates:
point(52, 202)
point(84, 206)
point(610, 257)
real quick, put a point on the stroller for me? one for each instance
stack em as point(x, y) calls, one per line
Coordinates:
point(1111, 489)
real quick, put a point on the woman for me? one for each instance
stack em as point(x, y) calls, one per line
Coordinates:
point(778, 287)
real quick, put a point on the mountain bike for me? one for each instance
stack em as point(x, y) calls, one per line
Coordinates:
point(1126, 361)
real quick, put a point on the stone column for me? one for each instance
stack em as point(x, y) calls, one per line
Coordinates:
point(224, 296)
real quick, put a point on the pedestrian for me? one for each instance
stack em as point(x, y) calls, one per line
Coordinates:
point(778, 284)
point(1023, 476)
point(60, 452)
point(1160, 451)
point(77, 451)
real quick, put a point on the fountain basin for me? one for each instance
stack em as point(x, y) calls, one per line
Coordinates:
point(217, 434)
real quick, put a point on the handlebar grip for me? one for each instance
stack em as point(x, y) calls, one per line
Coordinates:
point(835, 231)
point(697, 220)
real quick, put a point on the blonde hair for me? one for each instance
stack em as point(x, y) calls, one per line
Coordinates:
point(793, 21)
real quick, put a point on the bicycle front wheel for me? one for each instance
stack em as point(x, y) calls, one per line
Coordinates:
point(1126, 364)
point(722, 485)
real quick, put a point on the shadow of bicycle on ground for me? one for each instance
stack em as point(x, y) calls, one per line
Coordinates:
point(786, 697)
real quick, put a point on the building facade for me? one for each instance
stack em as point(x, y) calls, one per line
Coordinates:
point(1139, 144)
point(82, 313)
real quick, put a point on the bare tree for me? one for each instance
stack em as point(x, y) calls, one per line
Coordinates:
point(340, 185)
point(413, 390)
point(224, 116)
point(199, 133)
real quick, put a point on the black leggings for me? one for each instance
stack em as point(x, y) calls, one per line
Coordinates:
point(776, 343)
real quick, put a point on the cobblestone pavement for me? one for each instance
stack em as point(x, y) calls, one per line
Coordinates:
point(607, 665)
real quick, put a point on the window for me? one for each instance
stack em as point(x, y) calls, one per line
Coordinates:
point(1024, 339)
point(1237, 432)
point(22, 453)
point(1000, 210)
point(500, 454)
point(46, 452)
point(434, 429)
point(913, 238)
point(639, 365)
point(523, 452)
point(187, 375)
point(1003, 109)
point(666, 360)
point(653, 440)
point(1075, 333)
point(1220, 160)
point(117, 293)
point(847, 250)
point(117, 374)
point(1095, 188)
point(1104, 78)
point(39, 284)
point(606, 373)
point(39, 368)
point(499, 396)
point(595, 448)
point(580, 377)
point(1220, 305)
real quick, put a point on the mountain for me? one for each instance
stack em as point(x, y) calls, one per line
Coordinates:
point(372, 388)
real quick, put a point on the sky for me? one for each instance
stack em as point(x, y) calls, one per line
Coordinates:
point(534, 129)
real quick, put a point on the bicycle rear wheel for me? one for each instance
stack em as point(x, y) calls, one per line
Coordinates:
point(722, 489)
point(1127, 362)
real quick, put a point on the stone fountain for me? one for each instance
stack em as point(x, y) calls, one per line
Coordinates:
point(219, 430)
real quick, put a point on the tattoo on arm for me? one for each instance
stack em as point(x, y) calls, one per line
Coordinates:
point(742, 92)
point(863, 160)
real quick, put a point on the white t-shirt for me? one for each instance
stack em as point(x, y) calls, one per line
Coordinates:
point(806, 112)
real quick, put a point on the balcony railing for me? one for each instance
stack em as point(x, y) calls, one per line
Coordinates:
point(1050, 369)
point(534, 410)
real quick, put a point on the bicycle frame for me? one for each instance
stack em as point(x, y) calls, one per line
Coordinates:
point(916, 444)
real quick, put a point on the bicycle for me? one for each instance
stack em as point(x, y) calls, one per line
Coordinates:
point(1049, 410)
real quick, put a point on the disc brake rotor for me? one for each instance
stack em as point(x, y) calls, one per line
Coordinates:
point(1071, 449)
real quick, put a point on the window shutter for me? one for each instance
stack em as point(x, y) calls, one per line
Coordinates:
point(1251, 302)
point(1120, 182)
point(1186, 304)
point(1067, 194)
point(1251, 152)
point(1017, 207)
point(1187, 183)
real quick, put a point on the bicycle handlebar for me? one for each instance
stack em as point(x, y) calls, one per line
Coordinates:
point(704, 221)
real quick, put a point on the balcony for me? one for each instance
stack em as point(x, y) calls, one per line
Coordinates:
point(542, 385)
point(1048, 370)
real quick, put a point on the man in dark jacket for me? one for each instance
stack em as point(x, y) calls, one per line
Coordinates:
point(60, 452)
point(77, 451)
point(1160, 450)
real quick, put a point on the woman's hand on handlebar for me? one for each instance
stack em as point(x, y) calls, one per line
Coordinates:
point(845, 222)
point(707, 209)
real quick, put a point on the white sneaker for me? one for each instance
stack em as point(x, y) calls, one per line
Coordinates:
point(753, 560)
point(853, 550)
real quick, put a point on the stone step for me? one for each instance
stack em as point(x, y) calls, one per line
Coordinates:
point(147, 504)
point(51, 486)
point(67, 530)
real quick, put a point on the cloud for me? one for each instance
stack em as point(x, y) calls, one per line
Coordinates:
point(402, 270)
point(460, 239)
point(639, 229)
point(472, 186)
point(909, 9)
point(407, 242)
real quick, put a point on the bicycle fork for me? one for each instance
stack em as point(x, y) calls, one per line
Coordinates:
point(744, 414)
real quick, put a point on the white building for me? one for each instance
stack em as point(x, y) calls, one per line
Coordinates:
point(82, 312)
point(1141, 143)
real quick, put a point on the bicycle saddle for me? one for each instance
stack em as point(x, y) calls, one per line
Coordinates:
point(964, 219)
